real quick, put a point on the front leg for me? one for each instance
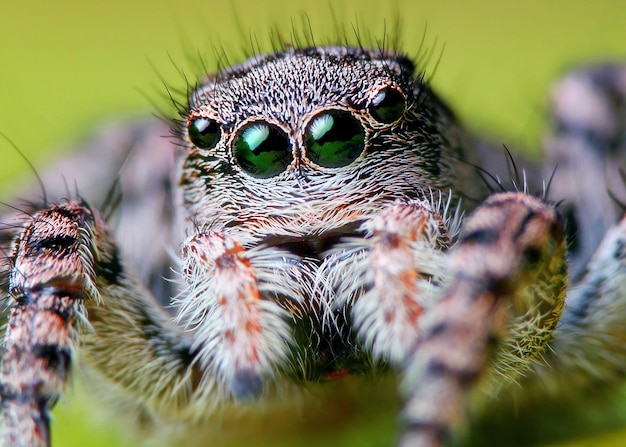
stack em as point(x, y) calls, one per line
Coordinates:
point(70, 284)
point(231, 303)
point(51, 278)
point(505, 295)
point(67, 281)
point(389, 277)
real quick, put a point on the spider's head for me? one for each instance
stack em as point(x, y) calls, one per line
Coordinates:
point(290, 154)
point(308, 140)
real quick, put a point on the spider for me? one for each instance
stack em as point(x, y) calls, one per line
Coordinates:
point(332, 220)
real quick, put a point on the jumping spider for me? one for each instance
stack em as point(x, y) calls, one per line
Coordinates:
point(319, 196)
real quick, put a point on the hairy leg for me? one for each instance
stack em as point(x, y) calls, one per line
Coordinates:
point(68, 279)
point(505, 295)
point(387, 279)
point(239, 304)
point(70, 287)
point(589, 144)
point(589, 346)
point(47, 310)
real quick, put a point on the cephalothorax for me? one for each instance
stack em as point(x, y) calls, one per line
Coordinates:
point(318, 197)
point(306, 175)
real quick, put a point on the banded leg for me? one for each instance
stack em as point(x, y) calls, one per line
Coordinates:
point(244, 332)
point(52, 277)
point(507, 283)
point(64, 268)
point(398, 271)
point(69, 279)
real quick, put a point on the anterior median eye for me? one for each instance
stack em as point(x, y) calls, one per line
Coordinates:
point(388, 106)
point(204, 133)
point(262, 150)
point(334, 139)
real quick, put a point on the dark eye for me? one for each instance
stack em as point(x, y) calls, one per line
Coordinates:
point(388, 106)
point(204, 133)
point(334, 139)
point(262, 150)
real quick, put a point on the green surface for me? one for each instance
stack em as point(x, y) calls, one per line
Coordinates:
point(65, 65)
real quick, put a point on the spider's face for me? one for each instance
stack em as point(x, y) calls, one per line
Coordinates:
point(301, 141)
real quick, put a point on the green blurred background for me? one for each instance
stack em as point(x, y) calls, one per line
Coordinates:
point(67, 65)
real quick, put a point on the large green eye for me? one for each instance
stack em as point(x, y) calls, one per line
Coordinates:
point(203, 132)
point(388, 106)
point(262, 150)
point(334, 139)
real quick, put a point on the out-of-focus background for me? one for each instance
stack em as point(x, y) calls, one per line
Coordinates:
point(67, 65)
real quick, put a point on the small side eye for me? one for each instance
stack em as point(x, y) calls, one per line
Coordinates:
point(204, 133)
point(334, 139)
point(388, 106)
point(262, 150)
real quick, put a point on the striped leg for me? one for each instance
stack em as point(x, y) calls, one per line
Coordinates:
point(68, 279)
point(242, 335)
point(64, 268)
point(506, 291)
point(52, 277)
point(398, 266)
